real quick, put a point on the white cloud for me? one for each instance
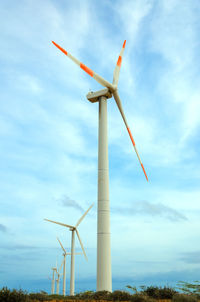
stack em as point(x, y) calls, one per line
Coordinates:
point(131, 15)
point(172, 20)
point(151, 209)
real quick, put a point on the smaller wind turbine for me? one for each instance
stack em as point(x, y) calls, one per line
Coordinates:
point(54, 269)
point(73, 229)
point(64, 265)
point(58, 279)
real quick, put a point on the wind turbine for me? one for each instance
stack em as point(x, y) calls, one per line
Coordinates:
point(104, 278)
point(64, 265)
point(54, 270)
point(58, 279)
point(73, 229)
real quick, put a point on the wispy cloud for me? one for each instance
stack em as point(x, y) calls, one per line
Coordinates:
point(191, 257)
point(68, 202)
point(17, 247)
point(3, 228)
point(151, 209)
point(166, 277)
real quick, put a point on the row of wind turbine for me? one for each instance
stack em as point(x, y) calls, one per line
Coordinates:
point(74, 231)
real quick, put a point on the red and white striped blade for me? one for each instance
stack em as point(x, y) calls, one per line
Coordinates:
point(118, 65)
point(93, 74)
point(119, 104)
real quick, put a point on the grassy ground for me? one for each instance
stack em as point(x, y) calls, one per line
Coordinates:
point(148, 294)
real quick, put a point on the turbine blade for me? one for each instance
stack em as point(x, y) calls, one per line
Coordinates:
point(118, 65)
point(61, 266)
point(94, 75)
point(60, 223)
point(79, 221)
point(75, 253)
point(61, 245)
point(77, 233)
point(118, 102)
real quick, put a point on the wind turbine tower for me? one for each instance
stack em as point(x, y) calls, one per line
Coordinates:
point(54, 269)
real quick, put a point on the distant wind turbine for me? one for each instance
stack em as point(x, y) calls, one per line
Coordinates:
point(64, 265)
point(58, 278)
point(73, 229)
point(54, 269)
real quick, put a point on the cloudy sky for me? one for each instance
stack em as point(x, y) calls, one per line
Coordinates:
point(49, 135)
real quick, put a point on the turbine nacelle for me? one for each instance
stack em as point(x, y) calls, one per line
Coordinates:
point(93, 97)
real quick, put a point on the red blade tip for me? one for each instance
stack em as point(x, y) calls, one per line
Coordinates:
point(124, 44)
point(144, 171)
point(59, 47)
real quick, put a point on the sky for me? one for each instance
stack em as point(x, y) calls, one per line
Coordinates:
point(49, 139)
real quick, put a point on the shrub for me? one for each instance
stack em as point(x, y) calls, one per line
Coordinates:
point(56, 297)
point(13, 296)
point(159, 292)
point(189, 288)
point(67, 298)
point(85, 295)
point(140, 297)
point(184, 298)
point(133, 288)
point(119, 295)
point(101, 295)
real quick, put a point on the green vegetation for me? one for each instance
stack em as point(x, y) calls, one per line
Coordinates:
point(190, 288)
point(155, 291)
point(12, 296)
point(190, 293)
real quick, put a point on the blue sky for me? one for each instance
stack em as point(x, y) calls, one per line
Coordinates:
point(48, 133)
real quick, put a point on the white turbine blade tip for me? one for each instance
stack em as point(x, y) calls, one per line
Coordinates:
point(79, 221)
